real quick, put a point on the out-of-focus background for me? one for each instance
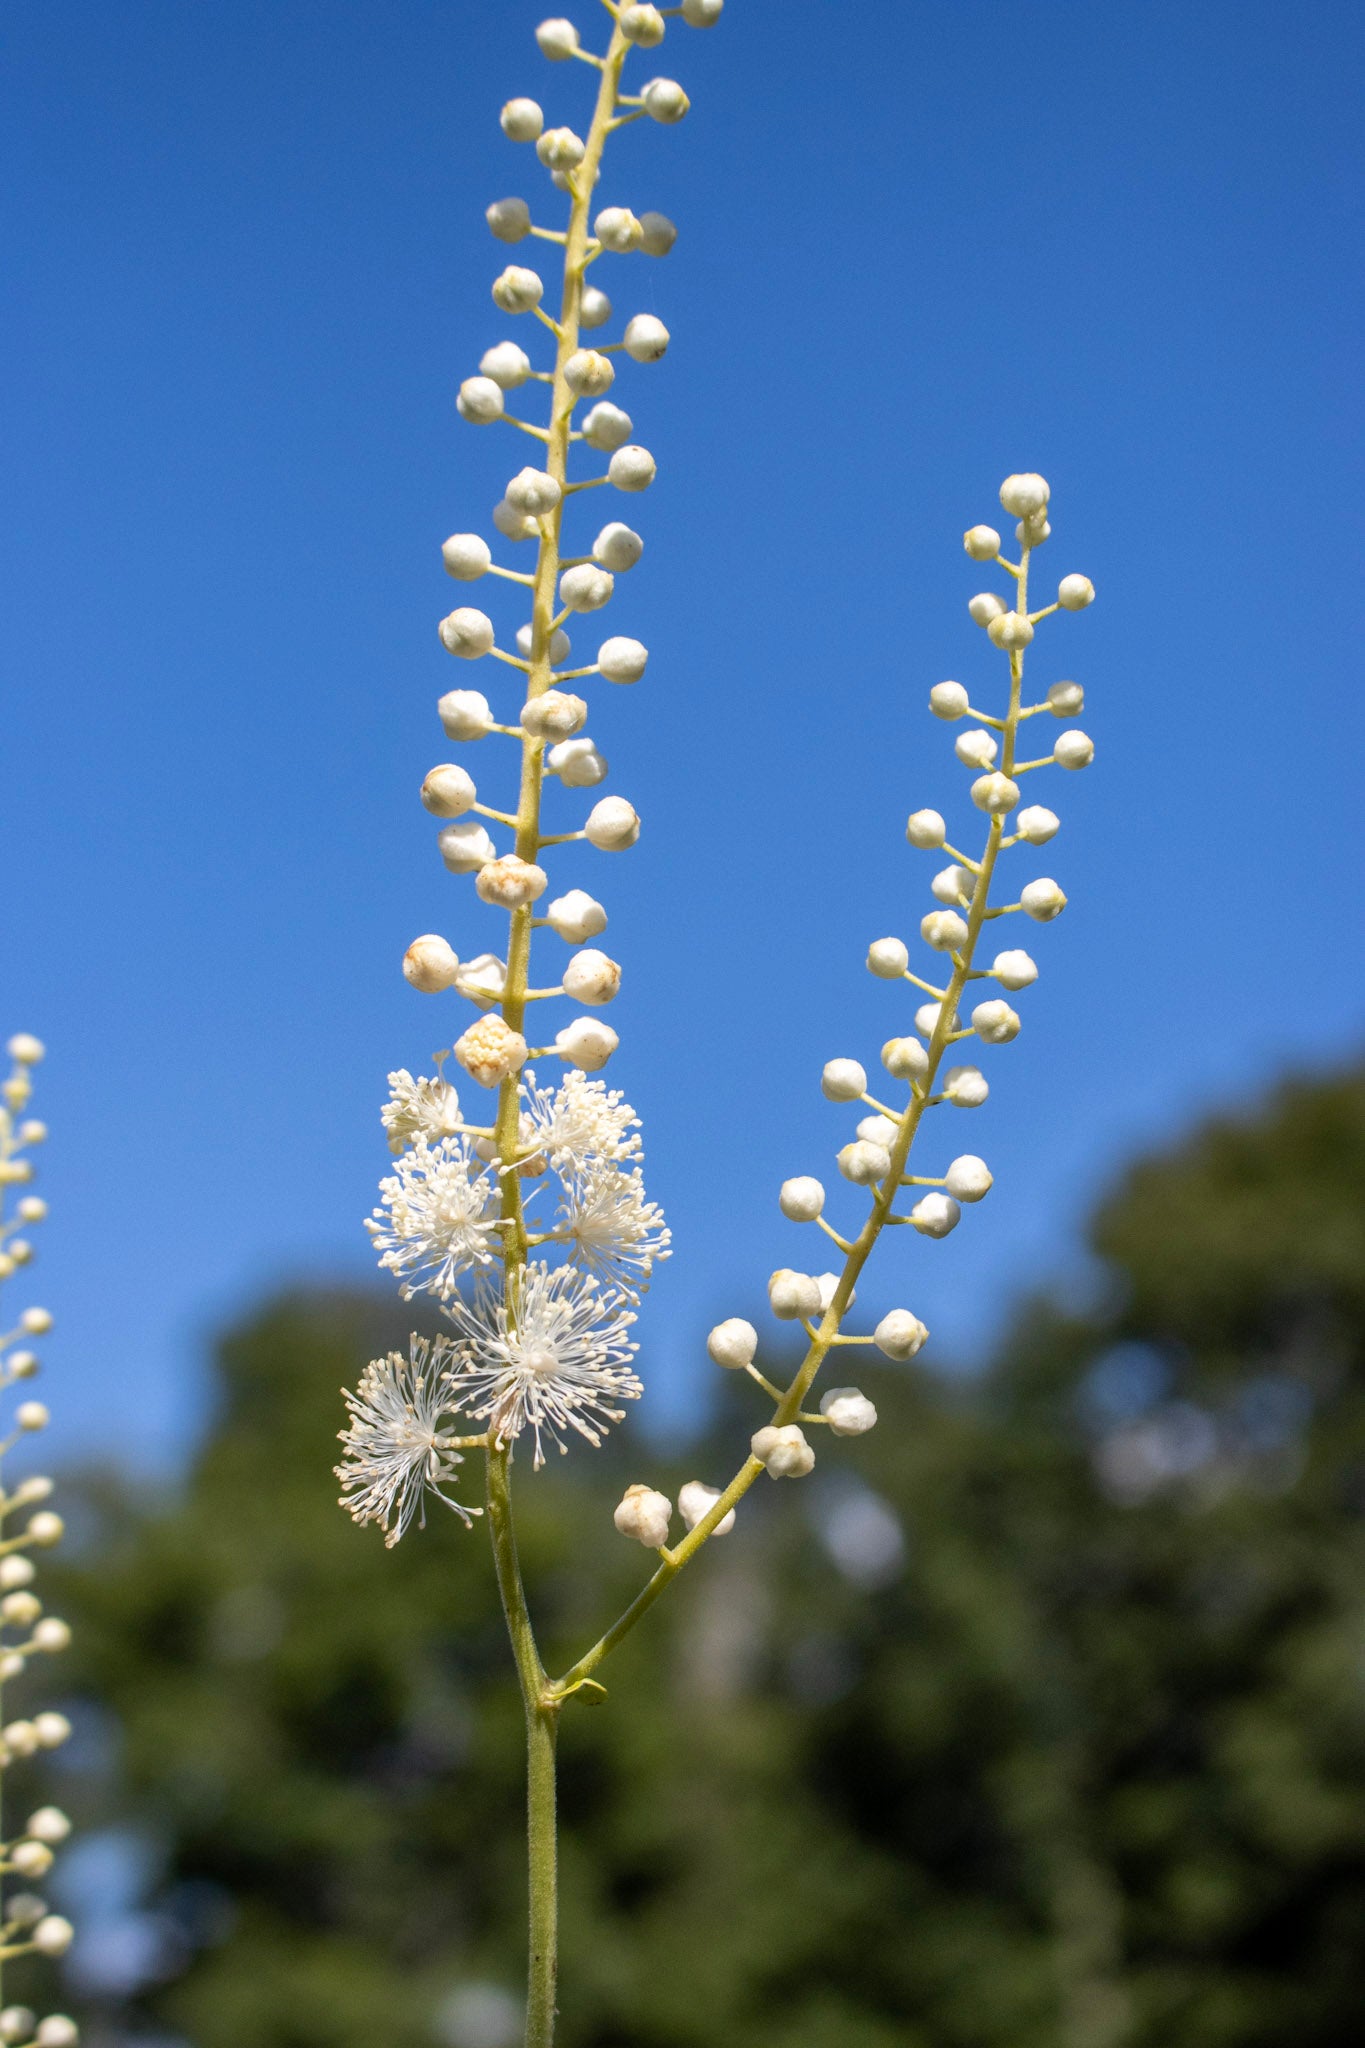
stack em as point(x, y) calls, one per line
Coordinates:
point(1040, 1715)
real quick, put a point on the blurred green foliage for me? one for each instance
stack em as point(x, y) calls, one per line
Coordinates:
point(1034, 1720)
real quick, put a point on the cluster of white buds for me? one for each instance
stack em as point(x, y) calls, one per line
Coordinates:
point(27, 1526)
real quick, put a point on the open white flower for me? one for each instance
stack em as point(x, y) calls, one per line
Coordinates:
point(612, 1229)
point(435, 1217)
point(396, 1452)
point(581, 1120)
point(424, 1108)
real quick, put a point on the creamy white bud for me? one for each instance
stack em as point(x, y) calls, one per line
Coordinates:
point(510, 882)
point(31, 1415)
point(905, 1059)
point(1066, 700)
point(985, 607)
point(587, 1043)
point(576, 916)
point(1037, 825)
point(926, 829)
point(20, 1738)
point(20, 1365)
point(969, 1178)
point(57, 2031)
point(1025, 495)
point(606, 427)
point(465, 847)
point(622, 660)
point(646, 339)
point(465, 714)
point(864, 1164)
point(25, 1049)
point(588, 374)
point(52, 1635)
point(801, 1199)
point(17, 2023)
point(482, 980)
point(783, 1450)
point(1074, 593)
point(577, 763)
point(448, 791)
point(522, 120)
point(612, 825)
point(32, 1209)
point(506, 364)
point(489, 1052)
point(20, 1610)
point(592, 978)
point(52, 1730)
point(848, 1412)
point(733, 1343)
point(517, 290)
point(951, 884)
point(534, 492)
point(879, 1130)
point(793, 1295)
point(642, 25)
point(554, 715)
point(585, 587)
point(949, 701)
point(645, 1515)
point(888, 958)
point(479, 401)
point(899, 1334)
point(695, 1502)
point(512, 524)
point(617, 229)
point(828, 1284)
point(982, 543)
point(965, 1087)
point(466, 632)
point(994, 1022)
point(1074, 749)
point(617, 547)
point(53, 1936)
point(49, 1824)
point(36, 1321)
point(659, 233)
point(631, 469)
point(466, 556)
point(509, 219)
point(1015, 969)
point(559, 149)
point(934, 1215)
point(1042, 900)
point(664, 100)
point(1012, 631)
point(702, 13)
point(594, 308)
point(976, 748)
point(559, 644)
point(1031, 533)
point(557, 38)
point(944, 930)
point(843, 1081)
point(995, 793)
point(45, 1529)
point(926, 1019)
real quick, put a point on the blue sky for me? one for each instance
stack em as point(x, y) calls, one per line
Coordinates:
point(248, 268)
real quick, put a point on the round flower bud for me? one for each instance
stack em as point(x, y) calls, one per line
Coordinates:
point(482, 980)
point(1024, 496)
point(36, 1487)
point(631, 469)
point(848, 1412)
point(985, 607)
point(57, 2031)
point(658, 232)
point(36, 1321)
point(465, 714)
point(1066, 700)
point(879, 1130)
point(533, 491)
point(646, 338)
point(1012, 631)
point(466, 555)
point(695, 1502)
point(20, 1738)
point(702, 13)
point(905, 1058)
point(521, 120)
point(1031, 533)
point(585, 587)
point(793, 1295)
point(554, 715)
point(594, 308)
point(509, 219)
point(465, 847)
point(935, 1215)
point(733, 1343)
point(517, 290)
point(510, 882)
point(645, 1515)
point(13, 1170)
point(969, 1178)
point(944, 930)
point(949, 701)
point(17, 2023)
point(995, 793)
point(888, 958)
point(559, 149)
point(843, 1081)
point(827, 1283)
point(1074, 749)
point(612, 825)
point(52, 1730)
point(49, 1824)
point(466, 632)
point(899, 1335)
point(1014, 970)
point(31, 1859)
point(591, 978)
point(448, 791)
point(982, 543)
point(506, 364)
point(20, 1365)
point(994, 1022)
point(951, 884)
point(665, 100)
point(1042, 900)
point(489, 1051)
point(783, 1450)
point(801, 1199)
point(576, 916)
point(617, 229)
point(25, 1049)
point(1074, 593)
point(617, 548)
point(587, 1043)
point(606, 427)
point(976, 748)
point(642, 25)
point(557, 38)
point(577, 763)
point(864, 1164)
point(32, 1209)
point(31, 1415)
point(1037, 825)
point(21, 1610)
point(53, 1936)
point(926, 1019)
point(926, 829)
point(511, 523)
point(622, 660)
point(45, 1529)
point(588, 374)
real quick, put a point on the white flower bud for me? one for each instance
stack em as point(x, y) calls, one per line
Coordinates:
point(899, 1335)
point(557, 38)
point(783, 1450)
point(1074, 593)
point(1073, 749)
point(879, 1130)
point(517, 290)
point(793, 1295)
point(645, 1515)
point(982, 543)
point(17, 2023)
point(53, 1936)
point(577, 763)
point(695, 1502)
point(31, 1415)
point(588, 374)
point(510, 882)
point(45, 1529)
point(733, 1343)
point(594, 308)
point(969, 1178)
point(1014, 970)
point(935, 1215)
point(828, 1284)
point(665, 100)
point(995, 793)
point(951, 884)
point(52, 1730)
point(617, 547)
point(36, 1321)
point(466, 556)
point(994, 1022)
point(15, 1170)
point(20, 1738)
point(1012, 631)
point(32, 1208)
point(617, 229)
point(36, 1487)
point(576, 916)
point(554, 715)
point(1066, 700)
point(1037, 825)
point(702, 13)
point(848, 1412)
point(975, 748)
point(465, 714)
point(506, 364)
point(559, 644)
point(585, 587)
point(466, 632)
point(591, 978)
point(512, 524)
point(509, 219)
point(57, 2031)
point(926, 829)
point(31, 1859)
point(949, 701)
point(534, 492)
point(622, 660)
point(521, 120)
point(559, 149)
point(888, 958)
point(646, 338)
point(465, 848)
point(1031, 533)
point(1042, 900)
point(905, 1059)
point(20, 1610)
point(926, 1019)
point(944, 930)
point(606, 427)
point(864, 1164)
point(587, 1043)
point(642, 25)
point(488, 1051)
point(482, 980)
point(448, 791)
point(1024, 496)
point(49, 1824)
point(612, 825)
point(659, 233)
point(843, 1081)
point(631, 469)
point(25, 1049)
point(801, 1199)
point(985, 607)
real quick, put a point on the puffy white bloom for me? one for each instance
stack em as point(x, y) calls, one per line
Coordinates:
point(952, 884)
point(1074, 593)
point(965, 1087)
point(448, 791)
point(925, 829)
point(986, 606)
point(479, 400)
point(466, 632)
point(994, 1022)
point(944, 930)
point(1037, 825)
point(482, 980)
point(658, 232)
point(1012, 631)
point(1066, 700)
point(969, 1178)
point(489, 1051)
point(982, 543)
point(587, 1043)
point(976, 748)
point(591, 977)
point(585, 587)
point(534, 492)
point(435, 1216)
point(899, 1335)
point(509, 219)
point(888, 958)
point(642, 25)
point(506, 364)
point(616, 1232)
point(617, 229)
point(843, 1081)
point(594, 308)
point(581, 1121)
point(513, 524)
point(465, 847)
point(1073, 749)
point(702, 13)
point(864, 1164)
point(879, 1130)
point(622, 660)
point(588, 374)
point(559, 149)
point(783, 1450)
point(607, 427)
point(733, 1343)
point(1042, 900)
point(646, 338)
point(1024, 496)
point(557, 38)
point(395, 1450)
point(1015, 969)
point(793, 1295)
point(645, 1515)
point(905, 1058)
point(553, 715)
point(617, 547)
point(559, 645)
point(510, 882)
point(631, 468)
point(577, 763)
point(695, 1502)
point(848, 1412)
point(935, 1215)
point(466, 556)
point(664, 100)
point(995, 793)
point(576, 916)
point(561, 1362)
point(801, 1199)
point(517, 290)
point(430, 965)
point(521, 120)
point(949, 701)
point(425, 1108)
point(612, 825)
